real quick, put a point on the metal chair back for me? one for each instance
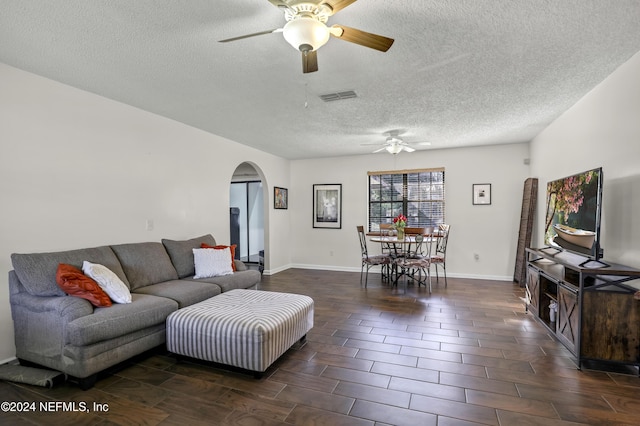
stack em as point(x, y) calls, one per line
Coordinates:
point(424, 246)
point(441, 247)
point(363, 242)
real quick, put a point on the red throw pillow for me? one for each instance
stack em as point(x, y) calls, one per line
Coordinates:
point(231, 248)
point(75, 283)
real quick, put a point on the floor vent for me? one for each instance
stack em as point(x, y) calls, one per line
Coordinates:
point(330, 97)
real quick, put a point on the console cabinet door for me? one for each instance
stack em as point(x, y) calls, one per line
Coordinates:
point(611, 326)
point(568, 318)
point(533, 290)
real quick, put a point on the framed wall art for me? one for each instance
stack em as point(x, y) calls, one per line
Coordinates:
point(481, 193)
point(327, 206)
point(280, 198)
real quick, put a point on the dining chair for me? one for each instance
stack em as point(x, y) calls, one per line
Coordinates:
point(439, 257)
point(386, 227)
point(413, 232)
point(419, 264)
point(370, 261)
point(386, 230)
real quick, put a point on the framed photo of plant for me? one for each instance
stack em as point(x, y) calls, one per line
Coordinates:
point(327, 206)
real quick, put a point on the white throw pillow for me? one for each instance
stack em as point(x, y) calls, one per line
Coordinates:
point(212, 262)
point(108, 281)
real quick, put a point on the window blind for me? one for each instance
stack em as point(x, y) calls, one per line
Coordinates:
point(417, 193)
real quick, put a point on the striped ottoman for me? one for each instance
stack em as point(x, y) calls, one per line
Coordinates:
point(249, 329)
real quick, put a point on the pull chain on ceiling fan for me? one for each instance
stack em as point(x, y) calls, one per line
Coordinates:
point(306, 29)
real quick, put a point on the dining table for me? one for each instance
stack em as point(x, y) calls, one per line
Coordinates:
point(400, 247)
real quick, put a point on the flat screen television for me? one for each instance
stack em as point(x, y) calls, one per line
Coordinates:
point(574, 209)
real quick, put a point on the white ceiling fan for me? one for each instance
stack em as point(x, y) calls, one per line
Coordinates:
point(394, 144)
point(306, 29)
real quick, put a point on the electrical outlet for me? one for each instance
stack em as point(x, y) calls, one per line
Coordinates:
point(149, 224)
point(331, 253)
point(476, 256)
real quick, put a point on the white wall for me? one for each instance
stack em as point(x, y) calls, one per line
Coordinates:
point(78, 170)
point(490, 231)
point(602, 129)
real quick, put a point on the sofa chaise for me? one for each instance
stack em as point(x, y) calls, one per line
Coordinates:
point(69, 334)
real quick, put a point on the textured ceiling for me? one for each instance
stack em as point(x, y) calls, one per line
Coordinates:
point(461, 72)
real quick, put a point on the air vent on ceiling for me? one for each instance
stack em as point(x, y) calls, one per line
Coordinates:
point(329, 97)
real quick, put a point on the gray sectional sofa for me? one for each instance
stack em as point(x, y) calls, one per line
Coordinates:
point(68, 334)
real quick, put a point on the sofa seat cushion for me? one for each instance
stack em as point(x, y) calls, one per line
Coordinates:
point(181, 253)
point(237, 280)
point(145, 263)
point(184, 292)
point(37, 271)
point(119, 319)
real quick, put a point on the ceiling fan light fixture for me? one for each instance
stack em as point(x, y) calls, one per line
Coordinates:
point(306, 33)
point(394, 148)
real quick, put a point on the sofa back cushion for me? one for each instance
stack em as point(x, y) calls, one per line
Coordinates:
point(181, 253)
point(145, 263)
point(37, 271)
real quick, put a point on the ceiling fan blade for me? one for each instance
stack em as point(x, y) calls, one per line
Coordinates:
point(336, 5)
point(309, 61)
point(363, 38)
point(380, 150)
point(277, 30)
point(408, 148)
point(279, 4)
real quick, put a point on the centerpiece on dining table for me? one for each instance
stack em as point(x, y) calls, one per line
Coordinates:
point(399, 222)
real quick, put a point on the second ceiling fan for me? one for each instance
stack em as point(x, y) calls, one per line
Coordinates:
point(394, 144)
point(306, 29)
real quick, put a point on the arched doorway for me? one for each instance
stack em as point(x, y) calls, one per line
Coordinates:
point(247, 214)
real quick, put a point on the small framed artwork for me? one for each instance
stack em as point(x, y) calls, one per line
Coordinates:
point(481, 193)
point(280, 198)
point(327, 206)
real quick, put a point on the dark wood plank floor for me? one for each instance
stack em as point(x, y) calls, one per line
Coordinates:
point(466, 354)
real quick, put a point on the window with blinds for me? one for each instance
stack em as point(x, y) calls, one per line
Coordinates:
point(418, 194)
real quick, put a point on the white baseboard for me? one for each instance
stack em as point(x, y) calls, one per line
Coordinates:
point(11, 360)
point(376, 269)
point(481, 277)
point(328, 267)
point(276, 270)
